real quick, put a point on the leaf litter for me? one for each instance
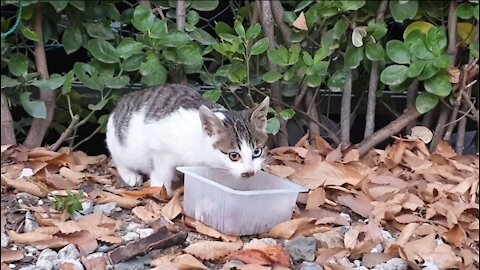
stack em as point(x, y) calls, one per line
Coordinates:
point(427, 203)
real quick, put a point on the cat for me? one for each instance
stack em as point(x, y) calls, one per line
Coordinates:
point(153, 131)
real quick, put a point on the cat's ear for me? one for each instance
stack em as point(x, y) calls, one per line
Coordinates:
point(211, 124)
point(259, 114)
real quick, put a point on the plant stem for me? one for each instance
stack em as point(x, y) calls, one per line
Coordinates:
point(181, 11)
point(8, 130)
point(411, 97)
point(65, 134)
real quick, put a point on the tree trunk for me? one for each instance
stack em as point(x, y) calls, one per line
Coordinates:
point(8, 130)
point(181, 16)
point(40, 126)
point(345, 111)
point(267, 22)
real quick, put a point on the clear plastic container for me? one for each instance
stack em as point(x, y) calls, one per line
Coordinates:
point(238, 206)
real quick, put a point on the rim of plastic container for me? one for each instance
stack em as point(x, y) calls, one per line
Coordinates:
point(295, 187)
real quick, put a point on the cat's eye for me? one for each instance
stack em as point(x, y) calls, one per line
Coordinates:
point(234, 156)
point(257, 152)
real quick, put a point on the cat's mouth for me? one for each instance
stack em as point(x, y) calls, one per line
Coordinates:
point(248, 174)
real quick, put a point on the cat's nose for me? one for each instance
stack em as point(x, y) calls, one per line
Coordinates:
point(248, 174)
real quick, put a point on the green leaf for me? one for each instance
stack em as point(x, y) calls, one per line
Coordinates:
point(416, 43)
point(287, 114)
point(99, 30)
point(78, 4)
point(271, 76)
point(377, 29)
point(253, 31)
point(415, 69)
point(36, 109)
point(422, 26)
point(59, 5)
point(116, 82)
point(239, 29)
point(72, 39)
point(102, 50)
point(475, 12)
point(212, 95)
point(67, 85)
point(203, 37)
point(279, 56)
point(438, 85)
point(128, 47)
point(88, 75)
point(464, 11)
point(18, 64)
point(294, 54)
point(314, 80)
point(175, 38)
point(193, 17)
point(336, 82)
point(8, 82)
point(394, 75)
point(437, 40)
point(340, 28)
point(303, 4)
point(54, 82)
point(190, 55)
point(159, 29)
point(273, 125)
point(204, 5)
point(426, 102)
point(307, 58)
point(402, 10)
point(442, 62)
point(237, 72)
point(321, 54)
point(351, 5)
point(222, 27)
point(353, 57)
point(153, 72)
point(143, 18)
point(401, 87)
point(398, 52)
point(30, 34)
point(289, 17)
point(375, 52)
point(428, 71)
point(259, 47)
point(133, 62)
point(99, 105)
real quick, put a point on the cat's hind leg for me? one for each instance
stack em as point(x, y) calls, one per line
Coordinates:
point(129, 176)
point(163, 172)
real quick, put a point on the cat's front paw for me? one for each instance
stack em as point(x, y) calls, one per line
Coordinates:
point(130, 177)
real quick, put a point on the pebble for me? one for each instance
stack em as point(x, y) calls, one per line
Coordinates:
point(5, 239)
point(360, 268)
point(430, 265)
point(388, 236)
point(144, 232)
point(130, 236)
point(106, 208)
point(27, 198)
point(69, 252)
point(346, 217)
point(95, 255)
point(26, 172)
point(77, 265)
point(87, 208)
point(40, 202)
point(33, 267)
point(377, 249)
point(393, 264)
point(330, 239)
point(103, 248)
point(12, 265)
point(310, 266)
point(260, 243)
point(133, 226)
point(45, 264)
point(30, 223)
point(357, 263)
point(345, 262)
point(345, 229)
point(48, 255)
point(134, 264)
point(302, 248)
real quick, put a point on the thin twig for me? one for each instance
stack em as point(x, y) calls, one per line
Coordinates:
point(458, 102)
point(97, 130)
point(65, 134)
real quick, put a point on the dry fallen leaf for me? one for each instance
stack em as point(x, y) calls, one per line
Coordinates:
point(280, 170)
point(422, 133)
point(456, 236)
point(212, 250)
point(26, 186)
point(445, 150)
point(301, 23)
point(84, 241)
point(287, 229)
point(95, 263)
point(204, 229)
point(315, 199)
point(121, 201)
point(174, 207)
point(11, 255)
point(187, 262)
point(272, 255)
point(326, 173)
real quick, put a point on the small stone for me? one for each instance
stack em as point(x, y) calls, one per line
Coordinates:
point(106, 208)
point(133, 226)
point(87, 208)
point(69, 252)
point(12, 265)
point(260, 243)
point(40, 202)
point(76, 216)
point(377, 249)
point(345, 229)
point(310, 266)
point(430, 265)
point(393, 264)
point(302, 248)
point(33, 267)
point(346, 217)
point(48, 255)
point(118, 209)
point(95, 255)
point(345, 262)
point(103, 248)
point(26, 198)
point(134, 264)
point(360, 268)
point(45, 264)
point(26, 172)
point(330, 239)
point(77, 265)
point(357, 263)
point(130, 236)
point(144, 232)
point(388, 236)
point(30, 223)
point(5, 240)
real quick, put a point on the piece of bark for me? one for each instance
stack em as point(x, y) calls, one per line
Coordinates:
point(160, 239)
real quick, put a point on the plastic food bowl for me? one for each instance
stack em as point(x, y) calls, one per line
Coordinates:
point(237, 206)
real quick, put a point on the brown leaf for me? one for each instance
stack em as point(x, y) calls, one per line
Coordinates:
point(327, 254)
point(95, 263)
point(335, 155)
point(71, 175)
point(326, 174)
point(84, 241)
point(26, 186)
point(280, 170)
point(55, 243)
point(315, 199)
point(322, 146)
point(59, 182)
point(110, 239)
point(359, 206)
point(204, 229)
point(287, 229)
point(453, 74)
point(271, 255)
point(395, 154)
point(187, 262)
point(370, 259)
point(445, 150)
point(456, 236)
point(146, 191)
point(409, 218)
point(424, 245)
point(212, 250)
point(174, 207)
point(388, 180)
point(351, 238)
point(301, 23)
point(11, 255)
point(121, 201)
point(443, 256)
point(29, 237)
point(351, 156)
point(148, 213)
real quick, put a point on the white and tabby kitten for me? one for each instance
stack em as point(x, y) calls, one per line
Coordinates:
point(155, 130)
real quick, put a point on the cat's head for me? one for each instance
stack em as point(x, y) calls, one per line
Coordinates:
point(239, 137)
